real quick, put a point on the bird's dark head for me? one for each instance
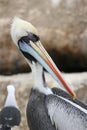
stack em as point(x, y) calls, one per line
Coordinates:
point(26, 38)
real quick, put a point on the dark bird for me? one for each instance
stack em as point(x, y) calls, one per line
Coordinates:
point(47, 109)
point(10, 115)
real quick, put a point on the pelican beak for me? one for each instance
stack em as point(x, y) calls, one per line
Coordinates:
point(36, 50)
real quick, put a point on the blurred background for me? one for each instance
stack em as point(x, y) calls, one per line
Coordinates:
point(62, 27)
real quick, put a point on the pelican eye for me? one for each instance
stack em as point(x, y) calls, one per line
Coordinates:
point(33, 37)
point(24, 39)
point(30, 37)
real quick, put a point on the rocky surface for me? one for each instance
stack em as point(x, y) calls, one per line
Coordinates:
point(23, 83)
point(62, 26)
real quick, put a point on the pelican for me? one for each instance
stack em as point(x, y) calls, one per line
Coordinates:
point(10, 115)
point(47, 109)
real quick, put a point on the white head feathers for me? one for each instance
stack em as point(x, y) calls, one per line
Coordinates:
point(20, 28)
point(11, 100)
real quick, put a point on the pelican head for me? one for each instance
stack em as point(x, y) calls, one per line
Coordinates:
point(26, 38)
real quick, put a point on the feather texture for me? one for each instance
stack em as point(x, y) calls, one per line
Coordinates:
point(65, 114)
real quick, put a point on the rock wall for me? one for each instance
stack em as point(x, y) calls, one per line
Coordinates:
point(62, 26)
